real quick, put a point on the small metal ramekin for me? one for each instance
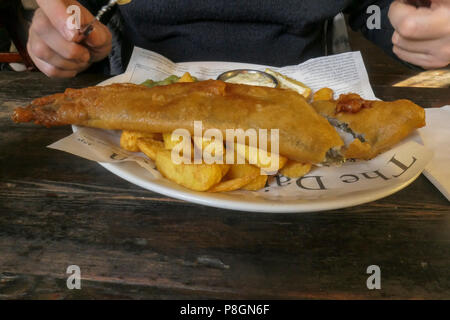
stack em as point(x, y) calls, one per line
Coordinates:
point(232, 73)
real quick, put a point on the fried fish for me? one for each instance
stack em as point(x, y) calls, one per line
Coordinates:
point(370, 127)
point(304, 135)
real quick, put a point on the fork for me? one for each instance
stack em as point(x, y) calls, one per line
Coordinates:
point(87, 29)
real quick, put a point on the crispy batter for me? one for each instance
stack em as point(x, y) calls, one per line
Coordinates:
point(381, 125)
point(304, 135)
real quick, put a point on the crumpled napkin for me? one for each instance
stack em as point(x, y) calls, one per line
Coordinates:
point(436, 136)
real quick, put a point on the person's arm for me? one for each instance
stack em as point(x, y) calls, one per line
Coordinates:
point(428, 47)
point(55, 49)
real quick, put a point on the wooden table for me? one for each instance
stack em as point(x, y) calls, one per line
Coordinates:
point(58, 210)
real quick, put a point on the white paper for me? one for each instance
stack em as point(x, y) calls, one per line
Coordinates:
point(343, 73)
point(102, 146)
point(436, 136)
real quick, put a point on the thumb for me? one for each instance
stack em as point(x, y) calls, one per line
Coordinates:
point(99, 37)
point(59, 12)
point(99, 41)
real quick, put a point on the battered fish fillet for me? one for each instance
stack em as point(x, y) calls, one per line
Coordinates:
point(373, 126)
point(305, 136)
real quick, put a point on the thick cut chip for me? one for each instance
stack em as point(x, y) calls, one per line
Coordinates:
point(231, 185)
point(323, 94)
point(294, 169)
point(150, 147)
point(198, 177)
point(128, 139)
point(210, 149)
point(242, 170)
point(258, 183)
point(238, 176)
point(170, 143)
point(225, 168)
point(182, 145)
point(260, 158)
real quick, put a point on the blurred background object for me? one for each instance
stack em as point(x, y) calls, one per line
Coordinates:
point(430, 79)
point(14, 23)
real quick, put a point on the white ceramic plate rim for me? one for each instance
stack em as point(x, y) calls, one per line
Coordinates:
point(238, 202)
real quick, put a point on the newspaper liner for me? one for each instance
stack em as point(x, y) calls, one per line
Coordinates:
point(343, 73)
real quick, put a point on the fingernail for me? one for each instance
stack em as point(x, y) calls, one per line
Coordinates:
point(91, 37)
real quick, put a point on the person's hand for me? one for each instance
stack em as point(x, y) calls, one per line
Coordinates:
point(422, 35)
point(54, 48)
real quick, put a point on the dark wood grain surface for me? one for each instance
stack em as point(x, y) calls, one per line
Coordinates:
point(57, 210)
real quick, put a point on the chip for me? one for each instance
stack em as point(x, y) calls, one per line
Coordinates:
point(128, 139)
point(150, 147)
point(323, 94)
point(295, 170)
point(238, 176)
point(258, 183)
point(198, 177)
point(260, 158)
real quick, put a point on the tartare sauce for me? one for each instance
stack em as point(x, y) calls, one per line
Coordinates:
point(253, 79)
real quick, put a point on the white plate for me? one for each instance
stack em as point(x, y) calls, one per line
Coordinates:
point(244, 201)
